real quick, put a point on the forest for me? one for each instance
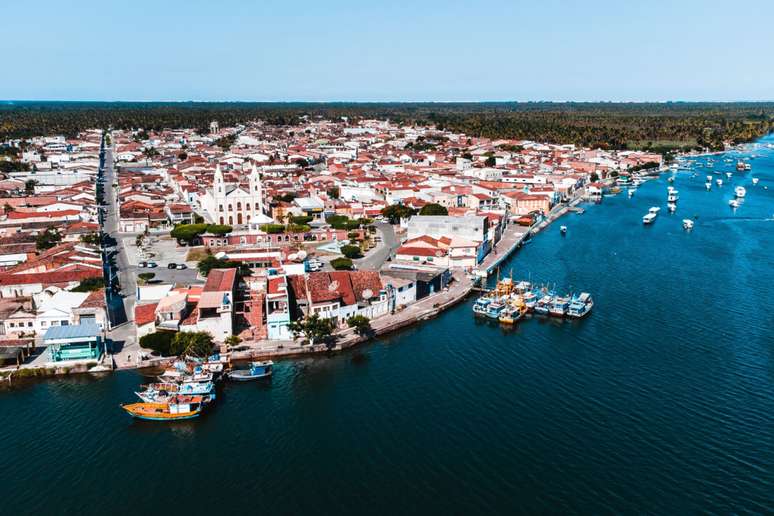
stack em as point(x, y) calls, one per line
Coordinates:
point(656, 126)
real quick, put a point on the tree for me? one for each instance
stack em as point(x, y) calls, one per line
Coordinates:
point(433, 209)
point(29, 186)
point(8, 208)
point(594, 177)
point(145, 277)
point(334, 192)
point(351, 251)
point(188, 232)
point(232, 341)
point(361, 324)
point(490, 161)
point(272, 229)
point(313, 328)
point(160, 342)
point(89, 285)
point(210, 262)
point(219, 229)
point(341, 264)
point(90, 238)
point(396, 212)
point(48, 239)
point(182, 156)
point(197, 343)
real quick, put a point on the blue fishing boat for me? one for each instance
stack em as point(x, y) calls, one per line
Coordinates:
point(558, 307)
point(580, 306)
point(494, 309)
point(543, 305)
point(257, 371)
point(481, 305)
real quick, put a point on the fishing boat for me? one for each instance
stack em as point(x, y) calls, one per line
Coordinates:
point(673, 196)
point(543, 305)
point(481, 305)
point(563, 230)
point(671, 207)
point(733, 203)
point(512, 313)
point(631, 192)
point(740, 165)
point(580, 305)
point(530, 300)
point(559, 306)
point(654, 210)
point(166, 397)
point(708, 185)
point(257, 370)
point(747, 167)
point(709, 178)
point(755, 180)
point(687, 224)
point(494, 309)
point(671, 179)
point(719, 182)
point(740, 191)
point(649, 218)
point(178, 408)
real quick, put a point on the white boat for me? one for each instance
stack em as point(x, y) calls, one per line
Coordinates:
point(739, 191)
point(729, 175)
point(708, 185)
point(563, 229)
point(649, 218)
point(654, 210)
point(631, 193)
point(671, 207)
point(671, 179)
point(673, 196)
point(709, 178)
point(733, 203)
point(687, 224)
point(755, 180)
point(719, 182)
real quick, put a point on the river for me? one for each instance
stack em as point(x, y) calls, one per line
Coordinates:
point(661, 401)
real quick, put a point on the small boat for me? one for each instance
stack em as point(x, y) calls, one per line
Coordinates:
point(481, 305)
point(709, 178)
point(673, 196)
point(755, 180)
point(654, 210)
point(740, 165)
point(559, 307)
point(563, 229)
point(580, 306)
point(740, 191)
point(719, 182)
point(671, 207)
point(671, 179)
point(733, 203)
point(494, 309)
point(543, 305)
point(708, 185)
point(257, 370)
point(649, 218)
point(178, 408)
point(687, 224)
point(530, 300)
point(631, 192)
point(512, 314)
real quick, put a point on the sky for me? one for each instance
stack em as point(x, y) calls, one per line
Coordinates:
point(369, 50)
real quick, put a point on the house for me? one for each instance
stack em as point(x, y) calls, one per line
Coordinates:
point(214, 312)
point(75, 343)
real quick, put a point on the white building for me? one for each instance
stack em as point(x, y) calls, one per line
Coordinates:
point(233, 205)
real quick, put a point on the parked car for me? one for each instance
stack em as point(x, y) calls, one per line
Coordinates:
point(172, 265)
point(152, 264)
point(142, 264)
point(181, 266)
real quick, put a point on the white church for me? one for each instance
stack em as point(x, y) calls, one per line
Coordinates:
point(229, 203)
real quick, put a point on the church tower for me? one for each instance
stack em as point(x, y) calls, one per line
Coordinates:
point(218, 184)
point(256, 190)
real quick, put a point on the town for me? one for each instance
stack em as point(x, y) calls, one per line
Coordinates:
point(119, 247)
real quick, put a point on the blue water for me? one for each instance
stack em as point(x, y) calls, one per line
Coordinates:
point(662, 401)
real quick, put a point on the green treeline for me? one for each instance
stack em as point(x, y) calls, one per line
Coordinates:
point(656, 126)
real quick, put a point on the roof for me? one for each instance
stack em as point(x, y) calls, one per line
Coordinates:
point(219, 280)
point(75, 331)
point(144, 314)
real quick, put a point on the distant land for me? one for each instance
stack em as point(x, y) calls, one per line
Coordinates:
point(660, 127)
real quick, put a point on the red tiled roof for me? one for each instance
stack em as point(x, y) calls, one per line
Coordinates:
point(50, 278)
point(145, 314)
point(219, 280)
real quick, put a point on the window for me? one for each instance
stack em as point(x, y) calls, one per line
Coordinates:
point(29, 324)
point(11, 325)
point(230, 207)
point(239, 205)
point(247, 206)
point(220, 207)
point(43, 324)
point(65, 323)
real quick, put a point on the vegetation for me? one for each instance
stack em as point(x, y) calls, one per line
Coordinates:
point(656, 126)
point(29, 187)
point(490, 161)
point(193, 343)
point(313, 328)
point(273, 229)
point(145, 277)
point(361, 324)
point(89, 285)
point(232, 341)
point(351, 251)
point(160, 342)
point(48, 239)
point(342, 264)
point(396, 212)
point(190, 232)
point(90, 238)
point(433, 209)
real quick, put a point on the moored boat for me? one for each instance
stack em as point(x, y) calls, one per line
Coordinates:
point(649, 218)
point(740, 191)
point(559, 306)
point(580, 305)
point(256, 371)
point(178, 408)
point(687, 224)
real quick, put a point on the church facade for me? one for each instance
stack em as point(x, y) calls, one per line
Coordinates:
point(231, 204)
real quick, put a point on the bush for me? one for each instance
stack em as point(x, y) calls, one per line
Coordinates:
point(361, 324)
point(160, 342)
point(351, 251)
point(89, 285)
point(341, 264)
point(273, 229)
point(433, 209)
point(219, 229)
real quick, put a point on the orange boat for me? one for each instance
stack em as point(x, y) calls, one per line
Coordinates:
point(178, 408)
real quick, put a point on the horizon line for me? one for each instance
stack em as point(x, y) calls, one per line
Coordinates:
point(193, 101)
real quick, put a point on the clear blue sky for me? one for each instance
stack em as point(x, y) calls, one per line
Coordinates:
point(367, 50)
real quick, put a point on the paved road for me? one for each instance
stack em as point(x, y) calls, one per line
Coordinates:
point(386, 248)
